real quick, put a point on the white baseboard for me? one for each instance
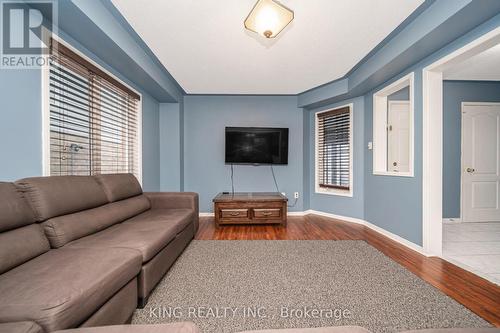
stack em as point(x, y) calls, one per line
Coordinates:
point(452, 220)
point(398, 239)
point(378, 229)
point(334, 216)
point(372, 226)
point(206, 214)
point(296, 214)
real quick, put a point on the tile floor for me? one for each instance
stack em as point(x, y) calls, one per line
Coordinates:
point(475, 247)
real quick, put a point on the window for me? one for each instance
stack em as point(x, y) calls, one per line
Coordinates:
point(93, 119)
point(334, 151)
point(393, 129)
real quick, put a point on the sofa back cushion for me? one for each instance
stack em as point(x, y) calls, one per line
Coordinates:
point(20, 245)
point(15, 211)
point(20, 239)
point(60, 195)
point(119, 186)
point(64, 229)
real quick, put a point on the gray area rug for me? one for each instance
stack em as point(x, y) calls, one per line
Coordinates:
point(230, 286)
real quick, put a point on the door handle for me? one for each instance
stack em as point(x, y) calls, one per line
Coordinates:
point(395, 163)
point(470, 170)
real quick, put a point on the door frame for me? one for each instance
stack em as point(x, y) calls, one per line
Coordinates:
point(462, 165)
point(432, 145)
point(380, 109)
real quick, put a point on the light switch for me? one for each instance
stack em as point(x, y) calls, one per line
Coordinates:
point(370, 145)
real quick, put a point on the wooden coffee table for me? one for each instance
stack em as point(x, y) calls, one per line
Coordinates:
point(250, 208)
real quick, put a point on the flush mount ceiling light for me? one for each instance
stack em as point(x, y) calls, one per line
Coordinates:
point(268, 18)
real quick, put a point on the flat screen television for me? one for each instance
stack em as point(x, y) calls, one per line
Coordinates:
point(256, 145)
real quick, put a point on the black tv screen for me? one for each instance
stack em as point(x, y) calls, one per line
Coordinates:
point(256, 145)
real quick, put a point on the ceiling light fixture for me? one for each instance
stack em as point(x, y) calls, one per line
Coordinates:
point(268, 18)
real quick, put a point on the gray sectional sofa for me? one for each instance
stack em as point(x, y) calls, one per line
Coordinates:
point(79, 251)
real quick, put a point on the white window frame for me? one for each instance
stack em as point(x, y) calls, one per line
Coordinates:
point(333, 191)
point(46, 110)
point(380, 110)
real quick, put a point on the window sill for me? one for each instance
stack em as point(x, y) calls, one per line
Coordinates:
point(393, 174)
point(342, 193)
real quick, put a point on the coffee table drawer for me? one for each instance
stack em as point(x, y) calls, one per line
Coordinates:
point(267, 213)
point(234, 213)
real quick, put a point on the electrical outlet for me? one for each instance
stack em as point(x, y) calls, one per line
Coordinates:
point(296, 195)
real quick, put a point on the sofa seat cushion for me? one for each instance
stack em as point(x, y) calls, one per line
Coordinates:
point(62, 288)
point(147, 238)
point(180, 218)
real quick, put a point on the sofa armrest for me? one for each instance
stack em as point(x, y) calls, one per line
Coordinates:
point(20, 327)
point(174, 200)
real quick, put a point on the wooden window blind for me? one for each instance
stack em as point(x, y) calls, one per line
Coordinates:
point(94, 118)
point(334, 149)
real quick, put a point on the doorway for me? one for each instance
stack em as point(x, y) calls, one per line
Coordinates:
point(473, 246)
point(472, 241)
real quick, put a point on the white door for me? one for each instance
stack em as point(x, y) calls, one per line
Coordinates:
point(480, 162)
point(398, 136)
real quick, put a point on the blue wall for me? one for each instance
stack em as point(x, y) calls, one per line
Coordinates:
point(395, 203)
point(335, 204)
point(400, 95)
point(306, 162)
point(454, 93)
point(20, 124)
point(150, 143)
point(170, 146)
point(205, 118)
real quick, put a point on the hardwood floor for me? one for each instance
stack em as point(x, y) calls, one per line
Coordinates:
point(477, 294)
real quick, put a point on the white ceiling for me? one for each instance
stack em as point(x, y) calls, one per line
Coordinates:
point(205, 47)
point(484, 66)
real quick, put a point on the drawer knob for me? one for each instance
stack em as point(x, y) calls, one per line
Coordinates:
point(235, 213)
point(266, 213)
